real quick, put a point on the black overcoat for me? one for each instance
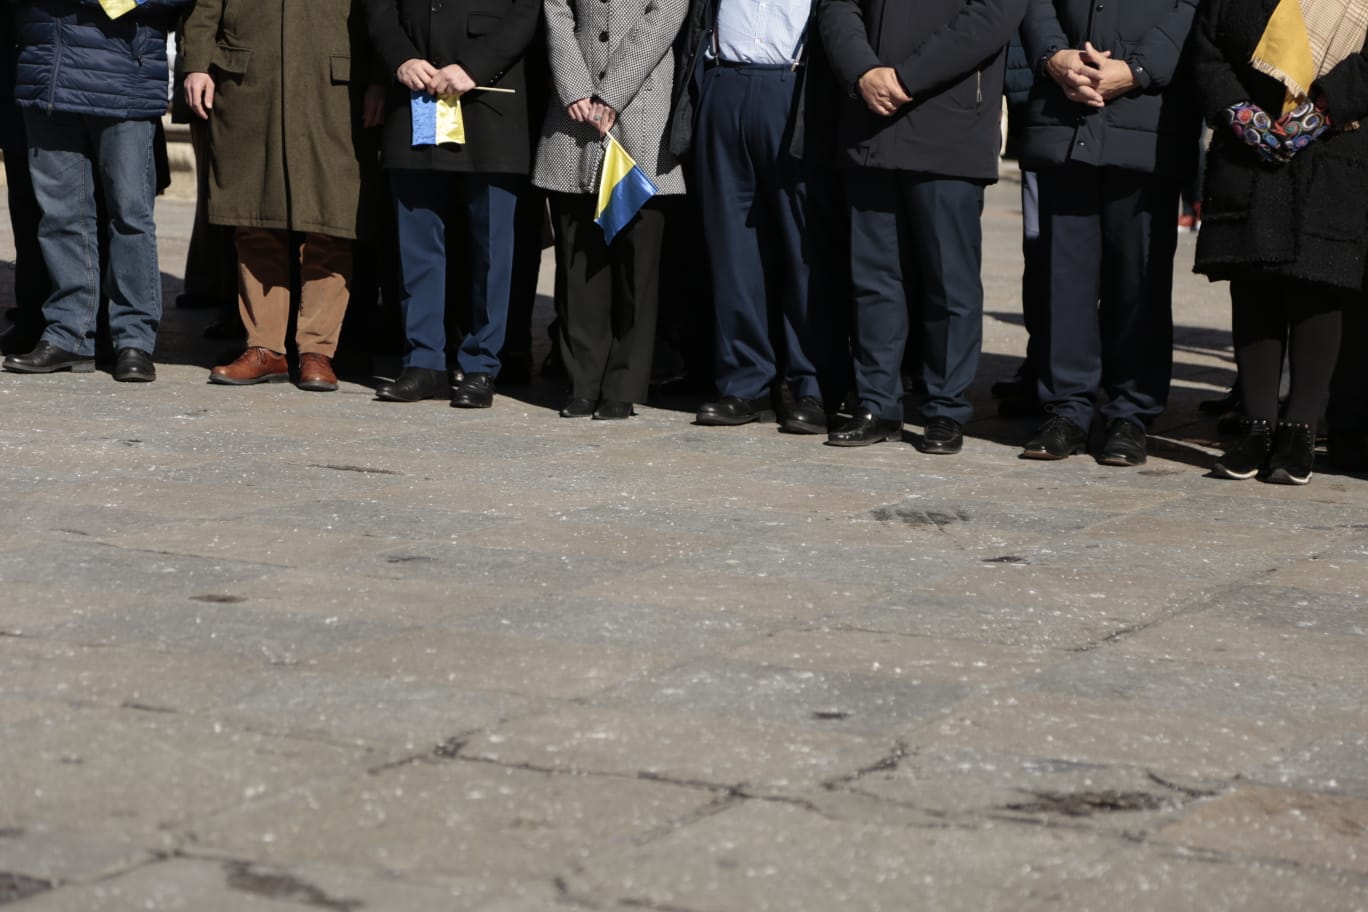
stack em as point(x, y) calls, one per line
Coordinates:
point(491, 40)
point(950, 57)
point(1306, 219)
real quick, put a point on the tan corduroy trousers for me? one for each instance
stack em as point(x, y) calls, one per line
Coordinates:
point(264, 260)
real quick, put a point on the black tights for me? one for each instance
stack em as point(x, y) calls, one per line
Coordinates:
point(1268, 311)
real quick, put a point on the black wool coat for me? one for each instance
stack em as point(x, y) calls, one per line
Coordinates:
point(1153, 128)
point(950, 56)
point(494, 41)
point(1307, 219)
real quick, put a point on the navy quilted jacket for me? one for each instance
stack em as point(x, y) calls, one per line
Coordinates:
point(74, 58)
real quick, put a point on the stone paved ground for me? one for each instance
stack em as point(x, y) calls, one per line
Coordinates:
point(269, 650)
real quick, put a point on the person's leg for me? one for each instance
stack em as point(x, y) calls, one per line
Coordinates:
point(31, 285)
point(1315, 325)
point(61, 165)
point(1140, 238)
point(515, 358)
point(1258, 321)
point(1070, 367)
point(732, 207)
point(635, 257)
point(128, 178)
point(491, 210)
point(264, 286)
point(878, 294)
point(325, 281)
point(419, 206)
point(584, 293)
point(947, 243)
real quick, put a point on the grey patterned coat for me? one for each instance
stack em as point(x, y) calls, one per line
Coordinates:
point(620, 52)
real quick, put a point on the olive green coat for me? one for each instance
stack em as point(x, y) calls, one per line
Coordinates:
point(285, 129)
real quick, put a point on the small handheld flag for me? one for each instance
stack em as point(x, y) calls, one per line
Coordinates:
point(116, 8)
point(623, 189)
point(436, 119)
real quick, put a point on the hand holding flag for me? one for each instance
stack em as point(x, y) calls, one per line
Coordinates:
point(436, 119)
point(623, 189)
point(116, 8)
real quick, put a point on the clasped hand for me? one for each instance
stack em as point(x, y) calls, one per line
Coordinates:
point(883, 91)
point(1090, 76)
point(1276, 141)
point(418, 75)
point(593, 111)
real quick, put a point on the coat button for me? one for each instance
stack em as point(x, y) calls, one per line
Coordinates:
point(603, 74)
point(603, 36)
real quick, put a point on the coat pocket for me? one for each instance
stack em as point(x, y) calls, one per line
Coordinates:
point(1337, 181)
point(1228, 185)
point(230, 59)
point(340, 69)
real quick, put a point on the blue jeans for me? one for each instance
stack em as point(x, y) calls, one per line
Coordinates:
point(68, 155)
point(422, 201)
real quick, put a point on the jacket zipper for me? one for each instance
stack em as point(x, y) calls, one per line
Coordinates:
point(978, 88)
point(56, 67)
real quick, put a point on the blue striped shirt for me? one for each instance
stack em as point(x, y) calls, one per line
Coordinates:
point(762, 31)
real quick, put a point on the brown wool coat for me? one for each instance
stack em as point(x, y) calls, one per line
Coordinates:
point(285, 130)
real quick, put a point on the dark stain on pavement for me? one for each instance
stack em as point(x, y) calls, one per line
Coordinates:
point(1006, 559)
point(215, 598)
point(829, 715)
point(245, 879)
point(14, 887)
point(364, 470)
point(909, 517)
point(449, 749)
point(1087, 804)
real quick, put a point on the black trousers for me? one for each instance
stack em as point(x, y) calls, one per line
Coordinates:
point(1107, 236)
point(606, 298)
point(916, 240)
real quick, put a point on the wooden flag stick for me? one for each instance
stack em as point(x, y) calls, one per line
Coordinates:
point(493, 89)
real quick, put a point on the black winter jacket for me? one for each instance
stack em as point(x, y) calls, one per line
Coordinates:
point(949, 55)
point(1306, 219)
point(74, 58)
point(493, 41)
point(1152, 129)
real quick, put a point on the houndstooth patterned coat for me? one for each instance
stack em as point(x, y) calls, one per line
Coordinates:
point(619, 51)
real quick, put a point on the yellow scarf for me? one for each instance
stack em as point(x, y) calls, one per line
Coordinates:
point(1305, 39)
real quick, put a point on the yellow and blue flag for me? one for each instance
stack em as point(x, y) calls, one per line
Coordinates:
point(116, 8)
point(436, 119)
point(623, 189)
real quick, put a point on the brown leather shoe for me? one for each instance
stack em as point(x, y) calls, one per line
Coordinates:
point(255, 365)
point(316, 373)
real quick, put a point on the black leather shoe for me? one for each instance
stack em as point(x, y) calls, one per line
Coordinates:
point(942, 436)
point(1125, 444)
point(864, 429)
point(732, 410)
point(576, 407)
point(1058, 438)
point(474, 391)
point(133, 365)
point(413, 385)
point(805, 415)
point(1294, 453)
point(608, 410)
point(1248, 456)
point(47, 358)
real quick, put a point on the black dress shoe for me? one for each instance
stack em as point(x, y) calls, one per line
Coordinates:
point(610, 410)
point(942, 436)
point(414, 384)
point(864, 429)
point(475, 391)
point(577, 407)
point(1058, 438)
point(806, 415)
point(47, 358)
point(1294, 453)
point(133, 365)
point(1248, 456)
point(732, 410)
point(1125, 444)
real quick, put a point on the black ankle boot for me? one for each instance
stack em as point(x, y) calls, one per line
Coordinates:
point(1294, 452)
point(1248, 455)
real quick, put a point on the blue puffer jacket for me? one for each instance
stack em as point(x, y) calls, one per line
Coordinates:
point(74, 58)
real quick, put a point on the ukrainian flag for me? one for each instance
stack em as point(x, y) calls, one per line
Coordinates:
point(623, 189)
point(116, 8)
point(436, 119)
